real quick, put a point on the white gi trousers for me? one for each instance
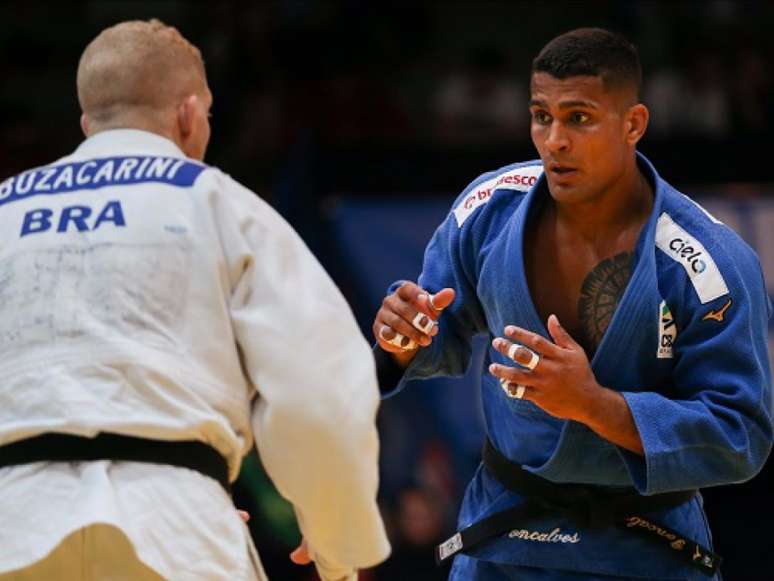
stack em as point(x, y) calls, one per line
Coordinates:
point(108, 520)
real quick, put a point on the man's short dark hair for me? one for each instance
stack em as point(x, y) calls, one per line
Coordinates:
point(594, 52)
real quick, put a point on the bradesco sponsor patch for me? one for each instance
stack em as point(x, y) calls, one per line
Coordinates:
point(694, 258)
point(520, 179)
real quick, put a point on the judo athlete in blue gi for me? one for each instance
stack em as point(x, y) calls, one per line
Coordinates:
point(628, 363)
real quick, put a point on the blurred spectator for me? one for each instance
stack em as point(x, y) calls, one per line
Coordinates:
point(692, 100)
point(482, 103)
point(419, 525)
point(753, 88)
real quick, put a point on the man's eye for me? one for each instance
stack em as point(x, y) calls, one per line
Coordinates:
point(541, 117)
point(580, 118)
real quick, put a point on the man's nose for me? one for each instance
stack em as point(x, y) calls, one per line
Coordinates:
point(558, 139)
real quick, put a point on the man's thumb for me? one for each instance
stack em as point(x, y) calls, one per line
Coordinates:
point(558, 333)
point(442, 299)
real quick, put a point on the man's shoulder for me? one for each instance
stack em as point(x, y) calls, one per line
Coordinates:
point(702, 225)
point(515, 178)
point(711, 254)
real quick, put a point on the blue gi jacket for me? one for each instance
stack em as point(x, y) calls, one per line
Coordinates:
point(687, 347)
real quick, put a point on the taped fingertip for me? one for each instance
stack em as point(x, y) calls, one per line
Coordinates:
point(426, 326)
point(512, 351)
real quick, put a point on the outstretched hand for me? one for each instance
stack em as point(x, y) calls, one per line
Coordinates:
point(408, 319)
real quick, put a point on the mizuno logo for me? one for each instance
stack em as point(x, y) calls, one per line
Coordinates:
point(719, 314)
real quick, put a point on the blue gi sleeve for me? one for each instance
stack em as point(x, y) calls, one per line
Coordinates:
point(713, 425)
point(449, 261)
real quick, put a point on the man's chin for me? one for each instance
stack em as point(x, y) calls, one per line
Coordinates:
point(565, 192)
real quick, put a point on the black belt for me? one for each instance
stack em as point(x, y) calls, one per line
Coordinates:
point(67, 448)
point(594, 505)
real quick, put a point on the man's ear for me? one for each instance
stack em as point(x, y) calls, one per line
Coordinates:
point(85, 124)
point(636, 123)
point(186, 115)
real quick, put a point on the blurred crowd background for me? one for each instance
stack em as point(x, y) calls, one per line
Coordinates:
point(360, 121)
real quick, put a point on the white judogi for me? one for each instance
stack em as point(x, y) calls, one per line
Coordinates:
point(128, 277)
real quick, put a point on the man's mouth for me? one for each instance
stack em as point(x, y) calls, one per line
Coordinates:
point(560, 169)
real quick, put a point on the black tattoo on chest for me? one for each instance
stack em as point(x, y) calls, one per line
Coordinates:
point(601, 291)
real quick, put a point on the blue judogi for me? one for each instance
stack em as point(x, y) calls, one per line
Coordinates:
point(686, 347)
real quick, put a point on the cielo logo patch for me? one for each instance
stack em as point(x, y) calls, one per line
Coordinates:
point(687, 251)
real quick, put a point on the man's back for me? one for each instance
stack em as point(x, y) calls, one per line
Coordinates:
point(125, 266)
point(150, 296)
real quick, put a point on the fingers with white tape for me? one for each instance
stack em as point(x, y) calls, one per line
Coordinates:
point(400, 341)
point(512, 391)
point(534, 358)
point(428, 325)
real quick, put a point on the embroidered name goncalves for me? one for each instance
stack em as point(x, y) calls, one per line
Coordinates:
point(694, 258)
point(520, 179)
point(555, 536)
point(98, 173)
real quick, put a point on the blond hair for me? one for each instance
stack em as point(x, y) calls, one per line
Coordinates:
point(137, 69)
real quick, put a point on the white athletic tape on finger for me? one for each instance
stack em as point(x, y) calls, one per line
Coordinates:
point(533, 360)
point(418, 325)
point(397, 340)
point(518, 394)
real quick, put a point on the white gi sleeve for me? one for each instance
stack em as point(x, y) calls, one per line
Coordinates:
point(314, 414)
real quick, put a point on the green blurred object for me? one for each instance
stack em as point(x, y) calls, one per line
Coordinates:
point(268, 510)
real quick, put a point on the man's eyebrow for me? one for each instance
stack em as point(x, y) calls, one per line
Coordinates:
point(565, 104)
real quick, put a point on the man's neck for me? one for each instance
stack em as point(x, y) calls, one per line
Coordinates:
point(622, 205)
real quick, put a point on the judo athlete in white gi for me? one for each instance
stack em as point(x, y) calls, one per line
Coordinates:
point(156, 317)
point(628, 363)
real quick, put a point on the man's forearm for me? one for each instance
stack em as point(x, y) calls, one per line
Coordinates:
point(611, 418)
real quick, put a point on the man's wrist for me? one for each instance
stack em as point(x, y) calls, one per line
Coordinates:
point(608, 415)
point(404, 358)
point(592, 410)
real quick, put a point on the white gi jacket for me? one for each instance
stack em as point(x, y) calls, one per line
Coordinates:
point(144, 293)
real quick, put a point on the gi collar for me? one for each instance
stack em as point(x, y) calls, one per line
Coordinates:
point(127, 141)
